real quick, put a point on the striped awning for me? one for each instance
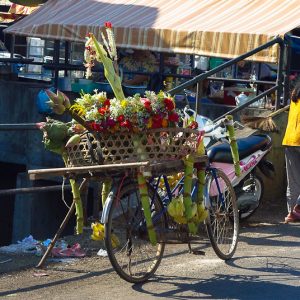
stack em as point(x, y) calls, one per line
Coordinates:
point(221, 28)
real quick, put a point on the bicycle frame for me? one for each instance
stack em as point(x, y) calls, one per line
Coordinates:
point(171, 193)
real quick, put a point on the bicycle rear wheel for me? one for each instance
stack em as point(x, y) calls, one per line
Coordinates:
point(222, 222)
point(131, 254)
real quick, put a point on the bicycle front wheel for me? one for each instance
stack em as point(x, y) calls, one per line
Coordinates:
point(130, 252)
point(222, 222)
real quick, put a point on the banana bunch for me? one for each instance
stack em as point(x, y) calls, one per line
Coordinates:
point(176, 207)
point(98, 231)
point(59, 102)
point(98, 234)
point(115, 242)
point(176, 210)
point(201, 213)
point(172, 180)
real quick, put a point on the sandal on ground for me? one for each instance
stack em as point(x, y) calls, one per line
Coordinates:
point(74, 251)
point(290, 218)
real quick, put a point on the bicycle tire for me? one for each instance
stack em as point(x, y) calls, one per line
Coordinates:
point(135, 259)
point(222, 223)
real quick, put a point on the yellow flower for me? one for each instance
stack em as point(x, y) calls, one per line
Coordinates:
point(124, 103)
point(149, 123)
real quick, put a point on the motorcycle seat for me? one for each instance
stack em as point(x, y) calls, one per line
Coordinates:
point(246, 146)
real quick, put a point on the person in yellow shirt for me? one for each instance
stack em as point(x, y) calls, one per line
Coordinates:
point(291, 141)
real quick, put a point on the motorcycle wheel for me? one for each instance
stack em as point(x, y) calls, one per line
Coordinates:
point(250, 191)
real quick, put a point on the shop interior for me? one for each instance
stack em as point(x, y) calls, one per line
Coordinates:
point(61, 64)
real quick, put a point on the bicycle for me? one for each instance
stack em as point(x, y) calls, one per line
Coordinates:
point(132, 255)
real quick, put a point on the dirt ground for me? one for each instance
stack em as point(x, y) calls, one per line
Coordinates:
point(10, 264)
point(265, 266)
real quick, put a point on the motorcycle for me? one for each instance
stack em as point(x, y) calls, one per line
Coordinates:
point(249, 186)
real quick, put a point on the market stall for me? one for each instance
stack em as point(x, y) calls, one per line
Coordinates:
point(192, 27)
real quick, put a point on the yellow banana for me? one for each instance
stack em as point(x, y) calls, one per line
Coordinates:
point(98, 231)
point(194, 209)
point(115, 242)
point(171, 208)
point(202, 212)
point(180, 220)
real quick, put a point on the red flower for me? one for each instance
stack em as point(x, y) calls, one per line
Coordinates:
point(96, 126)
point(88, 35)
point(108, 24)
point(169, 104)
point(157, 121)
point(193, 125)
point(120, 118)
point(106, 103)
point(173, 117)
point(126, 124)
point(103, 110)
point(147, 105)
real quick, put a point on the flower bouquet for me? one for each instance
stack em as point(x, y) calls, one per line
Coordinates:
point(138, 128)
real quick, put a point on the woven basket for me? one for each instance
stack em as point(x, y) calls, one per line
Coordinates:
point(153, 145)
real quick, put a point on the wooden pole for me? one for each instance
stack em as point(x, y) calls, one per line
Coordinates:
point(61, 227)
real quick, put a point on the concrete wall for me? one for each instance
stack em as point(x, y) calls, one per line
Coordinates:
point(18, 105)
point(37, 213)
point(275, 189)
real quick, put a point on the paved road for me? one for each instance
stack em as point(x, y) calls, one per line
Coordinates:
point(266, 266)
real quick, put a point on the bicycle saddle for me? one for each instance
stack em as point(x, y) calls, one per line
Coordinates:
point(246, 146)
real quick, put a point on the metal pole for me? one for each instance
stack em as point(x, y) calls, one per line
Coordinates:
point(198, 96)
point(56, 61)
point(223, 66)
point(161, 67)
point(12, 50)
point(288, 72)
point(12, 46)
point(52, 188)
point(279, 81)
point(67, 55)
point(21, 126)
